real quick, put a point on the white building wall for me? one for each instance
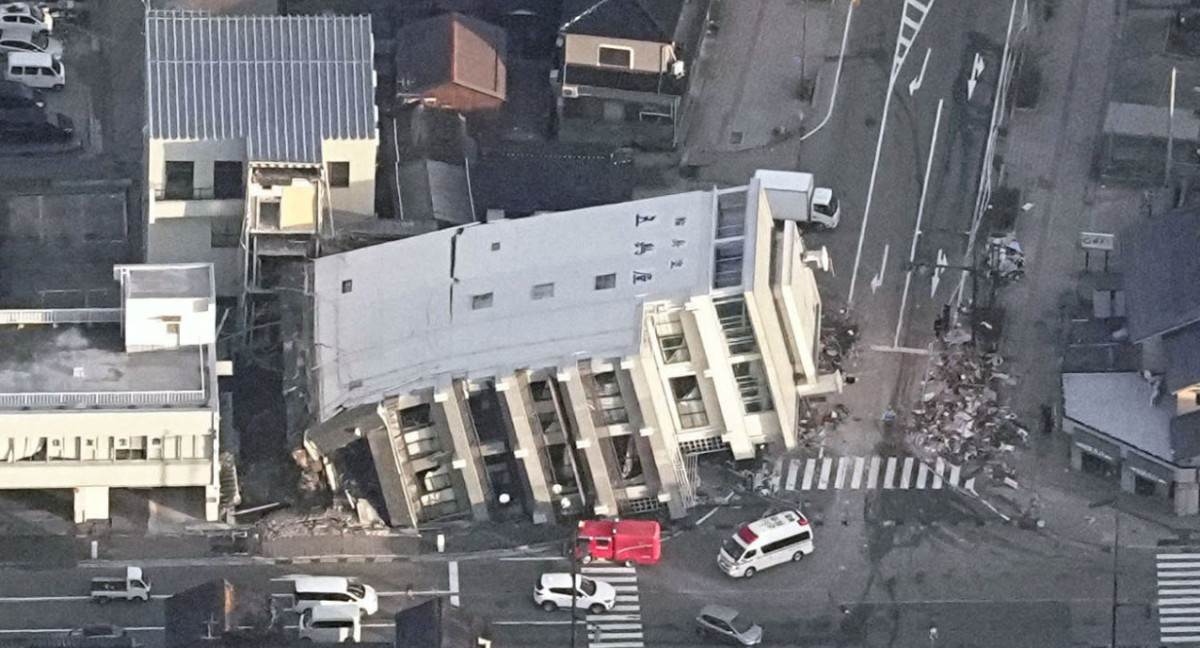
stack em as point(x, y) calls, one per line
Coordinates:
point(148, 322)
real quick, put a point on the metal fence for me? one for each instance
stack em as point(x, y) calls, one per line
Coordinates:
point(51, 400)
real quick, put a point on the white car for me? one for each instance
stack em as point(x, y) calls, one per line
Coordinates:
point(554, 591)
point(331, 623)
point(24, 16)
point(300, 592)
point(26, 41)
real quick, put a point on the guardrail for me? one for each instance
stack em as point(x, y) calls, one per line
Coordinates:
point(60, 316)
point(50, 400)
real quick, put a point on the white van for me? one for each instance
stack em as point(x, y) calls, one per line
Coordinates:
point(765, 543)
point(36, 70)
point(331, 623)
point(300, 592)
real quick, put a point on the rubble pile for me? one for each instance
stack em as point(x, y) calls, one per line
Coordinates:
point(839, 336)
point(328, 522)
point(959, 417)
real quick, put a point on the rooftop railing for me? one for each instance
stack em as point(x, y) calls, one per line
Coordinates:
point(60, 316)
point(80, 400)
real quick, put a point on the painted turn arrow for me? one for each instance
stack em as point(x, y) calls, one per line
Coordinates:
point(937, 272)
point(877, 280)
point(976, 70)
point(916, 83)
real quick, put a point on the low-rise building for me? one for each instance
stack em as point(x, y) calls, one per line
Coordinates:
point(570, 361)
point(93, 399)
point(262, 137)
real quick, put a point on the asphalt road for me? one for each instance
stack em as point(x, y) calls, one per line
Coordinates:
point(874, 580)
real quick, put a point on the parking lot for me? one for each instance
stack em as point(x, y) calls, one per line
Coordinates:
point(65, 219)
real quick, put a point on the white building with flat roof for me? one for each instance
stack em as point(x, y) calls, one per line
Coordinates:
point(98, 398)
point(582, 355)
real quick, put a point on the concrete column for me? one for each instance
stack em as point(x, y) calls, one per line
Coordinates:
point(1187, 498)
point(1076, 458)
point(91, 503)
point(212, 502)
point(1128, 482)
point(587, 440)
point(656, 427)
point(514, 389)
point(465, 459)
point(729, 406)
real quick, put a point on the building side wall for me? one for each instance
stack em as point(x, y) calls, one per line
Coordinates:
point(185, 240)
point(457, 97)
point(67, 449)
point(357, 200)
point(583, 49)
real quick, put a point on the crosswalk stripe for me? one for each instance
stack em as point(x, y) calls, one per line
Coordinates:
point(1176, 591)
point(1177, 556)
point(843, 466)
point(1179, 601)
point(600, 569)
point(605, 635)
point(906, 474)
point(955, 473)
point(810, 467)
point(889, 475)
point(856, 480)
point(826, 468)
point(622, 626)
point(1173, 582)
point(922, 475)
point(938, 468)
point(873, 474)
point(1177, 566)
point(970, 485)
point(618, 644)
point(627, 597)
point(1182, 619)
point(793, 472)
point(1173, 629)
point(1182, 610)
point(614, 617)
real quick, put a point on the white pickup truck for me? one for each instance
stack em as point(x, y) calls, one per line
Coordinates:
point(133, 587)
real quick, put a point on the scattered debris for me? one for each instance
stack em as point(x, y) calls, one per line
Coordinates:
point(959, 416)
point(839, 337)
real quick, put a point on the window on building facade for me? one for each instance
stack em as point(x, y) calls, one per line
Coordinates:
point(752, 384)
point(608, 406)
point(727, 264)
point(542, 291)
point(736, 325)
point(228, 180)
point(481, 301)
point(180, 181)
point(347, 286)
point(688, 402)
point(339, 174)
point(669, 329)
point(611, 56)
point(226, 231)
point(606, 281)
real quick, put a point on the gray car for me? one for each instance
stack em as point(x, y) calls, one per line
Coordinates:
point(725, 623)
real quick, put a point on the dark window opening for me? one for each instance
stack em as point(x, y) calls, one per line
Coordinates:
point(615, 57)
point(339, 174)
point(228, 180)
point(180, 184)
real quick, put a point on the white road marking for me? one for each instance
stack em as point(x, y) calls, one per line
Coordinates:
point(955, 473)
point(906, 474)
point(826, 468)
point(793, 472)
point(454, 599)
point(938, 470)
point(843, 466)
point(1178, 600)
point(873, 474)
point(856, 481)
point(889, 476)
point(810, 467)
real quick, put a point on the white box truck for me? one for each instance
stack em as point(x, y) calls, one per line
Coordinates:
point(793, 196)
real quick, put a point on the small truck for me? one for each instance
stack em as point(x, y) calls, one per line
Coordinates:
point(133, 587)
point(630, 542)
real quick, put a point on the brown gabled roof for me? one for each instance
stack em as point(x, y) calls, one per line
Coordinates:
point(453, 48)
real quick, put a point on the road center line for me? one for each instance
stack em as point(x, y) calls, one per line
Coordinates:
point(454, 600)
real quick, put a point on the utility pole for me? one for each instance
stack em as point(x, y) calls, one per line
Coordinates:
point(1116, 547)
point(1170, 132)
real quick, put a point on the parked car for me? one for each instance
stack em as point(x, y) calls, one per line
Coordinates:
point(300, 592)
point(553, 590)
point(19, 95)
point(98, 632)
point(24, 16)
point(331, 623)
point(36, 70)
point(726, 624)
point(25, 41)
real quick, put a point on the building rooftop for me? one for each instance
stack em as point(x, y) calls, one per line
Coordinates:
point(528, 177)
point(644, 20)
point(178, 281)
point(74, 366)
point(1162, 288)
point(452, 48)
point(1119, 405)
point(494, 297)
point(282, 83)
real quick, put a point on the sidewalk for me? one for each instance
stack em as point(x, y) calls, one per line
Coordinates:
point(461, 541)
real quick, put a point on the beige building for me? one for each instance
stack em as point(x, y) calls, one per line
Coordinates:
point(586, 356)
point(93, 399)
point(260, 127)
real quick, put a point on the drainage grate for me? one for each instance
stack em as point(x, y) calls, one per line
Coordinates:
point(642, 505)
point(701, 446)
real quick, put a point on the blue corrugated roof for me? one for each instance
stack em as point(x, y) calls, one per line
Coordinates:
point(283, 83)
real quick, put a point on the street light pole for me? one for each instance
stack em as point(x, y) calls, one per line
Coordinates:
point(565, 503)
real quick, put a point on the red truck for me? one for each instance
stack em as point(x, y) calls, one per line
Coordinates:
point(632, 542)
